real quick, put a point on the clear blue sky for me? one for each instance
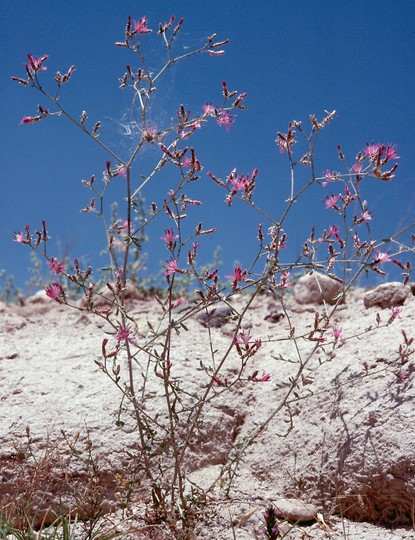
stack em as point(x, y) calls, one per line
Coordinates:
point(293, 58)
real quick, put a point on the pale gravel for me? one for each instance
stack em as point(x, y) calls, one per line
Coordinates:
point(49, 381)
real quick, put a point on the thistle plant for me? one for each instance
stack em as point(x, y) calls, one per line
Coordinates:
point(142, 365)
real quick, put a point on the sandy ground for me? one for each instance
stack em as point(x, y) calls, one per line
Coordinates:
point(50, 382)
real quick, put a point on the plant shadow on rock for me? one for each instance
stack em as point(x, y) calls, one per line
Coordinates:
point(366, 467)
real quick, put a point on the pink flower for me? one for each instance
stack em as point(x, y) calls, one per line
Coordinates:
point(284, 283)
point(391, 152)
point(331, 201)
point(141, 26)
point(265, 377)
point(238, 275)
point(403, 376)
point(208, 109)
point(186, 162)
point(249, 348)
point(372, 151)
point(336, 331)
point(170, 238)
point(357, 167)
point(150, 134)
point(334, 230)
point(171, 267)
point(56, 266)
point(237, 183)
point(35, 63)
point(124, 334)
point(240, 182)
point(225, 119)
point(21, 238)
point(53, 290)
point(395, 312)
point(179, 302)
point(381, 257)
point(244, 338)
point(366, 216)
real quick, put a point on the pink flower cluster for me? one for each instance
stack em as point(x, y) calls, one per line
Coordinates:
point(124, 334)
point(242, 183)
point(244, 345)
point(330, 176)
point(140, 27)
point(380, 151)
point(223, 117)
point(378, 155)
point(37, 238)
point(34, 65)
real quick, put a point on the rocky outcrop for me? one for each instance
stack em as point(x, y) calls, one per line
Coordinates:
point(387, 295)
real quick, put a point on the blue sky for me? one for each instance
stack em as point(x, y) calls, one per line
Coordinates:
point(293, 58)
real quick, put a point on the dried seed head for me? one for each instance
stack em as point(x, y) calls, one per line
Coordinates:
point(83, 118)
point(166, 26)
point(319, 125)
point(96, 128)
point(19, 80)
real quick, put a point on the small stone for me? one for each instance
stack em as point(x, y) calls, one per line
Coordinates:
point(387, 295)
point(317, 288)
point(274, 317)
point(247, 325)
point(216, 317)
point(296, 511)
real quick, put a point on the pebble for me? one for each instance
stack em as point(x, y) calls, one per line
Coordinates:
point(387, 295)
point(317, 288)
point(296, 511)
